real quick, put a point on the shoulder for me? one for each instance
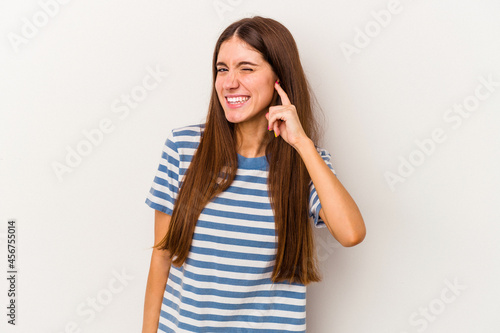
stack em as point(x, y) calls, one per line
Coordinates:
point(194, 131)
point(184, 140)
point(186, 134)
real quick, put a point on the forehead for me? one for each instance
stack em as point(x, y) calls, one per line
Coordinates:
point(235, 50)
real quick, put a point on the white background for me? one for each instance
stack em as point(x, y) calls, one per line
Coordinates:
point(75, 234)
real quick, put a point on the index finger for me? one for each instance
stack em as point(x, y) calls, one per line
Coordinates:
point(282, 93)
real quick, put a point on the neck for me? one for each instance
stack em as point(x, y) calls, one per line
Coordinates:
point(252, 138)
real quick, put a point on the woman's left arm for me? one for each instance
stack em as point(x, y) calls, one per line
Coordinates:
point(338, 210)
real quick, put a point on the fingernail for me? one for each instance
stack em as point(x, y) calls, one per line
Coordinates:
point(268, 128)
point(275, 135)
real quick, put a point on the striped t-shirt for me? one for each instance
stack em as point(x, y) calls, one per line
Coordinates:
point(225, 283)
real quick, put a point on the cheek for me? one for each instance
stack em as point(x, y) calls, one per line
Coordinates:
point(267, 91)
point(218, 85)
point(218, 88)
point(264, 88)
point(267, 85)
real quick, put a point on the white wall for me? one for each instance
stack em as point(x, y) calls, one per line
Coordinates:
point(437, 226)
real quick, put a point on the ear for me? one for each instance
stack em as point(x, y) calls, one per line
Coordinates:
point(276, 97)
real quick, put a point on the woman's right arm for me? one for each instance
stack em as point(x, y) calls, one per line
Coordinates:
point(157, 278)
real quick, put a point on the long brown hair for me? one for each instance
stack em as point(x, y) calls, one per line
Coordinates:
point(214, 164)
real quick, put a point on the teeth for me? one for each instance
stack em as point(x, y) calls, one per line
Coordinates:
point(236, 100)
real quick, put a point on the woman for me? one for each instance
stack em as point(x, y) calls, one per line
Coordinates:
point(234, 248)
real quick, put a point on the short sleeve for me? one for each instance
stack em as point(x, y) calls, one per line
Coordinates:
point(314, 204)
point(165, 187)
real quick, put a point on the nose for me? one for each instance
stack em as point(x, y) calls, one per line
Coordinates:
point(231, 80)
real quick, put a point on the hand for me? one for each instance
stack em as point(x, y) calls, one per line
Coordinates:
point(284, 120)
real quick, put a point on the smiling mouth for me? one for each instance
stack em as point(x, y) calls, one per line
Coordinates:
point(237, 100)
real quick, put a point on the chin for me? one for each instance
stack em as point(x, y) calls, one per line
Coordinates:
point(233, 120)
point(233, 117)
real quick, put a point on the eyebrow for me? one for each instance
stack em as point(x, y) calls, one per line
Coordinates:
point(241, 63)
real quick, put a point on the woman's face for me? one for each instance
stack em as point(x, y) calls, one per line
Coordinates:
point(244, 82)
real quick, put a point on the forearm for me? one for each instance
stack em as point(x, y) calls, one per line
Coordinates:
point(339, 211)
point(157, 279)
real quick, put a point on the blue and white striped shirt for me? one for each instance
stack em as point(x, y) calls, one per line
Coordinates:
point(225, 283)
